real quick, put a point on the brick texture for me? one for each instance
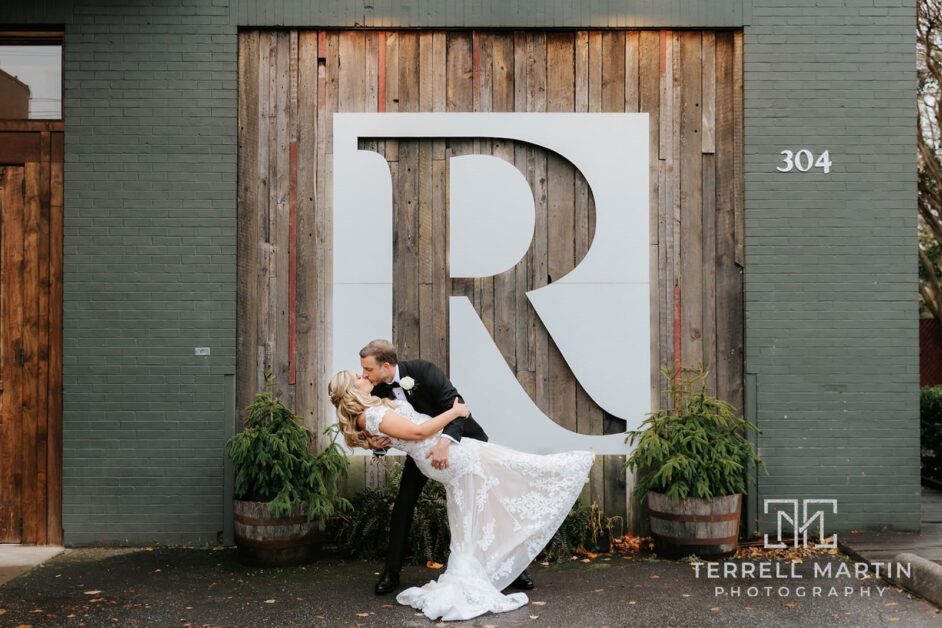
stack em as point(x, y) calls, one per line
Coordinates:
point(830, 278)
point(150, 221)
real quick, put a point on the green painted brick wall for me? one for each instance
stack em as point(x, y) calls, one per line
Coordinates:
point(150, 106)
point(830, 281)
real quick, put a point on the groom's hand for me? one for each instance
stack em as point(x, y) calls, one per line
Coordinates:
point(378, 442)
point(439, 453)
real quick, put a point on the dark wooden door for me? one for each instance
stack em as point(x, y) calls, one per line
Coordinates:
point(31, 332)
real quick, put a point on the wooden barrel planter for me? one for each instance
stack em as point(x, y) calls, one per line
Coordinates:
point(266, 541)
point(705, 527)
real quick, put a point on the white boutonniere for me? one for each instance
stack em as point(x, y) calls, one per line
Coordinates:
point(407, 384)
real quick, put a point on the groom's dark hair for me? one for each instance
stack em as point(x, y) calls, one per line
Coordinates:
point(381, 350)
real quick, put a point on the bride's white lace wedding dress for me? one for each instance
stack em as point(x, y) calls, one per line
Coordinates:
point(503, 507)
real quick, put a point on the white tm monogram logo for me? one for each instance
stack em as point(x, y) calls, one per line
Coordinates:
point(800, 526)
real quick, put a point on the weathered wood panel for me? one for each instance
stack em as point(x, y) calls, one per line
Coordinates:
point(691, 84)
point(31, 337)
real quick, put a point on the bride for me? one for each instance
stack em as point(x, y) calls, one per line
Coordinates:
point(503, 505)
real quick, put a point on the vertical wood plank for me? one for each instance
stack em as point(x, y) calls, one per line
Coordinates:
point(614, 90)
point(691, 205)
point(43, 417)
point(537, 175)
point(405, 209)
point(292, 210)
point(648, 101)
point(459, 96)
point(675, 237)
point(54, 390)
point(327, 99)
point(708, 124)
point(29, 409)
point(632, 69)
point(588, 414)
point(248, 231)
point(261, 203)
point(524, 349)
point(308, 393)
point(708, 269)
point(598, 476)
point(392, 87)
point(560, 221)
point(12, 437)
point(505, 284)
point(280, 219)
point(430, 225)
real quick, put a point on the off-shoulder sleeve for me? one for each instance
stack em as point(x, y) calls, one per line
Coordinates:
point(374, 416)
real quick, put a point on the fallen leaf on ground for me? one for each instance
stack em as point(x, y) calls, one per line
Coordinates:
point(363, 614)
point(890, 604)
point(685, 594)
point(654, 577)
point(539, 603)
point(269, 601)
point(632, 602)
point(715, 609)
point(433, 565)
point(388, 606)
point(92, 592)
point(790, 604)
point(534, 616)
point(581, 551)
point(2, 611)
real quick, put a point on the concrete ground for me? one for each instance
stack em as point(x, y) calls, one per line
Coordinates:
point(208, 587)
point(18, 559)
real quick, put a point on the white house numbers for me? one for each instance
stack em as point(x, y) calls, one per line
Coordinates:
point(804, 160)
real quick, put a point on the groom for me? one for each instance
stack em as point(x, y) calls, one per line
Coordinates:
point(428, 389)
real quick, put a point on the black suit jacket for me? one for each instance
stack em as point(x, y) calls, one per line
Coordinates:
point(433, 394)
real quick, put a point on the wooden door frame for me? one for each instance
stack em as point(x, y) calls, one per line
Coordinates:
point(41, 142)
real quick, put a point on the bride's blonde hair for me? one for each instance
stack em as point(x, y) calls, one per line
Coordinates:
point(351, 402)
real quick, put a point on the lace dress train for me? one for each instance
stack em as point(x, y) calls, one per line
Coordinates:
point(503, 507)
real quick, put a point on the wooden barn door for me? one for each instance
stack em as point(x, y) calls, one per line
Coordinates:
point(30, 332)
point(290, 82)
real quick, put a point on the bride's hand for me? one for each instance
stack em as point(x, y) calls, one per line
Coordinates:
point(462, 409)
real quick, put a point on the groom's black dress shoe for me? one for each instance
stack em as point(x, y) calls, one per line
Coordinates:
point(389, 581)
point(522, 582)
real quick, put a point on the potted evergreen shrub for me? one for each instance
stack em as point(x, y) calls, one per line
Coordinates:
point(283, 491)
point(691, 461)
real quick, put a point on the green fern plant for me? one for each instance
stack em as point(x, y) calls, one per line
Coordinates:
point(696, 448)
point(274, 463)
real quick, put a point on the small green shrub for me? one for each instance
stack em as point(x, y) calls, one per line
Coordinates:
point(696, 448)
point(930, 431)
point(273, 462)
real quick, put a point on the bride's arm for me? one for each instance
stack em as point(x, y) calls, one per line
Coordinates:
point(398, 426)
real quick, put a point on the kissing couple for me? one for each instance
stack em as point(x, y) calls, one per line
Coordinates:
point(503, 505)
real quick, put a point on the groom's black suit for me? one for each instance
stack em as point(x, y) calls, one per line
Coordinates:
point(433, 394)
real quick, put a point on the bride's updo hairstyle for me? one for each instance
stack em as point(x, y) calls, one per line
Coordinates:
point(351, 402)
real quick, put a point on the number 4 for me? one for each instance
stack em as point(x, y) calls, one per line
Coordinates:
point(824, 161)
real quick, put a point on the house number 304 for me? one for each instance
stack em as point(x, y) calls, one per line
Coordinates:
point(803, 161)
